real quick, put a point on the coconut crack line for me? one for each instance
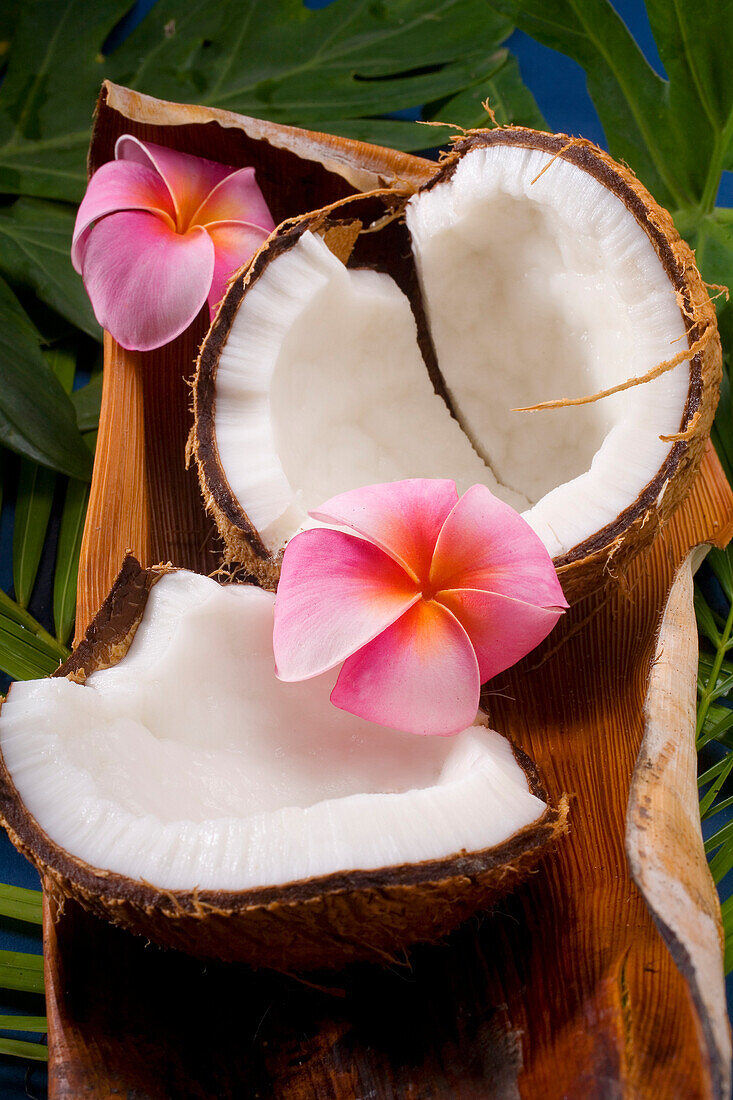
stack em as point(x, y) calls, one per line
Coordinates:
point(429, 355)
point(447, 397)
point(443, 391)
point(475, 445)
point(640, 380)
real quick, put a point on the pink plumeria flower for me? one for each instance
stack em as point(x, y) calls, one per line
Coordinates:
point(160, 232)
point(428, 598)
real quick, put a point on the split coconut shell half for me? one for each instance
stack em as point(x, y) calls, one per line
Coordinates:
point(166, 780)
point(383, 338)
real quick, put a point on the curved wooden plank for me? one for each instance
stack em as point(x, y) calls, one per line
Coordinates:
point(569, 989)
point(298, 170)
point(663, 838)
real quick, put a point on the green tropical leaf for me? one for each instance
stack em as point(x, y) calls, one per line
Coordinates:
point(499, 81)
point(675, 133)
point(715, 728)
point(87, 401)
point(34, 498)
point(36, 486)
point(287, 63)
point(20, 1048)
point(707, 802)
point(722, 433)
point(23, 655)
point(24, 1023)
point(722, 862)
point(509, 98)
point(727, 914)
point(630, 98)
point(340, 67)
point(27, 651)
point(13, 612)
point(62, 361)
point(35, 252)
point(21, 971)
point(705, 620)
point(49, 92)
point(715, 722)
point(66, 574)
point(722, 566)
point(725, 832)
point(9, 13)
point(37, 419)
point(21, 904)
point(710, 773)
point(695, 45)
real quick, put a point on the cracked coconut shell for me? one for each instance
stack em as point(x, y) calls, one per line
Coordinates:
point(620, 378)
point(279, 895)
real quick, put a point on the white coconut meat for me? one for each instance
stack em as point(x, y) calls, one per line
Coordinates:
point(535, 287)
point(321, 387)
point(188, 764)
point(541, 285)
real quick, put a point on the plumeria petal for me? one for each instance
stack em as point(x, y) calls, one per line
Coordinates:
point(146, 283)
point(236, 198)
point(403, 517)
point(485, 544)
point(419, 675)
point(234, 244)
point(502, 630)
point(189, 179)
point(115, 187)
point(336, 592)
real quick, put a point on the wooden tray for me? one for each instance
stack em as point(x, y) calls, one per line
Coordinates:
point(572, 988)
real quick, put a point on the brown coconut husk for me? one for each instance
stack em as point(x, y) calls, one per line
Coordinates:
point(608, 552)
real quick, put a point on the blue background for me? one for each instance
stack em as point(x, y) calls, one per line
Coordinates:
point(559, 88)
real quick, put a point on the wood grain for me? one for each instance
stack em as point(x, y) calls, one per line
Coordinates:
point(118, 517)
point(568, 990)
point(666, 858)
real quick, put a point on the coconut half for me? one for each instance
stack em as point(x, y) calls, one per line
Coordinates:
point(357, 349)
point(168, 781)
